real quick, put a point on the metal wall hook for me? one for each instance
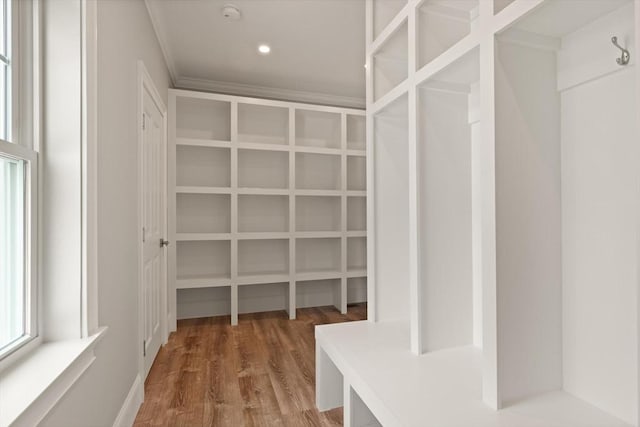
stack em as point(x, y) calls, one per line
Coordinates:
point(624, 59)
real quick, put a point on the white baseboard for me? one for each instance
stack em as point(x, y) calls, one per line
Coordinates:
point(129, 410)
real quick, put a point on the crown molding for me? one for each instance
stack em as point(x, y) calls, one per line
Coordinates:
point(162, 41)
point(241, 89)
point(269, 92)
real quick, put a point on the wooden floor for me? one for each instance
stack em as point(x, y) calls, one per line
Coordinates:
point(259, 373)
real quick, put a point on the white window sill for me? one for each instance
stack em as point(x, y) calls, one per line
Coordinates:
point(33, 385)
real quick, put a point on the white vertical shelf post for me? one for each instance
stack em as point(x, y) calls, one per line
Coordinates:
point(637, 68)
point(292, 215)
point(415, 319)
point(343, 214)
point(370, 144)
point(172, 323)
point(234, 213)
point(488, 184)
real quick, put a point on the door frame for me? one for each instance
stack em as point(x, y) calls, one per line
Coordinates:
point(145, 83)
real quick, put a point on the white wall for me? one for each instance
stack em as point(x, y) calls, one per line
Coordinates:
point(61, 199)
point(125, 35)
point(600, 208)
point(599, 211)
point(445, 218)
point(392, 218)
point(529, 273)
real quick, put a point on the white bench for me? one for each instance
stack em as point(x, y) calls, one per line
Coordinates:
point(367, 368)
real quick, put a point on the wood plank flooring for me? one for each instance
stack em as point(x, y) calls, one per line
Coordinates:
point(259, 373)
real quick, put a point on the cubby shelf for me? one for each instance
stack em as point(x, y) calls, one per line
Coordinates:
point(264, 198)
point(265, 235)
point(258, 146)
point(202, 190)
point(441, 25)
point(258, 279)
point(317, 234)
point(353, 152)
point(356, 273)
point(318, 192)
point(319, 150)
point(195, 142)
point(318, 275)
point(185, 237)
point(202, 282)
point(487, 116)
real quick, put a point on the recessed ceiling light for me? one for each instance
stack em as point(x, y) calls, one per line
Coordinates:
point(264, 49)
point(231, 12)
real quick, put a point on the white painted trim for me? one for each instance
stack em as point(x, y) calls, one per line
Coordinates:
point(266, 102)
point(528, 39)
point(490, 390)
point(511, 14)
point(392, 27)
point(389, 98)
point(415, 284)
point(370, 148)
point(268, 92)
point(164, 46)
point(132, 402)
point(637, 94)
point(145, 82)
point(453, 54)
point(35, 385)
point(90, 322)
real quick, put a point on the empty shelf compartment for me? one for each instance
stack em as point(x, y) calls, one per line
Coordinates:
point(203, 213)
point(263, 257)
point(203, 119)
point(356, 173)
point(258, 213)
point(263, 124)
point(317, 213)
point(317, 171)
point(390, 63)
point(317, 255)
point(356, 132)
point(203, 166)
point(356, 213)
point(441, 26)
point(203, 259)
point(318, 129)
point(356, 253)
point(263, 169)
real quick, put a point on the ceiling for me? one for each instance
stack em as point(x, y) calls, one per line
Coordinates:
point(317, 48)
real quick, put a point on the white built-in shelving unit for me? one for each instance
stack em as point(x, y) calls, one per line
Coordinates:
point(503, 242)
point(266, 197)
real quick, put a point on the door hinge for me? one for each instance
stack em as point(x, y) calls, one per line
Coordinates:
point(144, 121)
point(144, 348)
point(144, 234)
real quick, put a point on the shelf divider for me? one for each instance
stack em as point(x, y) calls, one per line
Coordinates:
point(292, 303)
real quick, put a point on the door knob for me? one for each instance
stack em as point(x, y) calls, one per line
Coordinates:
point(164, 242)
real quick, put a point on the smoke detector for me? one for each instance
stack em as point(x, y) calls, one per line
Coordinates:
point(231, 12)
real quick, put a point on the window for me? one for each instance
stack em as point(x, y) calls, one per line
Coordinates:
point(18, 172)
point(5, 69)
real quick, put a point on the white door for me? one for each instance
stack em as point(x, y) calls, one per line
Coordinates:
point(154, 258)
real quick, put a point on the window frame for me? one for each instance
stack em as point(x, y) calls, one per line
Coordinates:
point(22, 144)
